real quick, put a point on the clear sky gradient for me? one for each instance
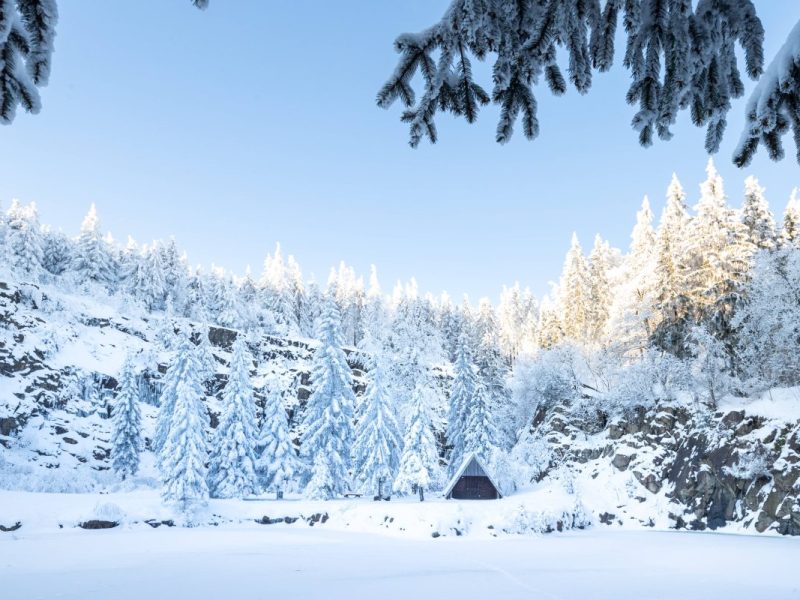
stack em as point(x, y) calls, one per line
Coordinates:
point(254, 122)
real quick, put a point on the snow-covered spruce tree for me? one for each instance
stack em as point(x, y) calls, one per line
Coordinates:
point(24, 244)
point(57, 251)
point(599, 302)
point(278, 293)
point(756, 216)
point(328, 420)
point(182, 458)
point(276, 458)
point(205, 356)
point(790, 228)
point(419, 463)
point(175, 273)
point(517, 315)
point(672, 318)
point(462, 394)
point(773, 107)
point(146, 282)
point(232, 461)
point(492, 372)
point(322, 485)
point(92, 260)
point(631, 317)
point(574, 292)
point(481, 435)
point(348, 291)
point(695, 44)
point(550, 331)
point(377, 446)
point(414, 344)
point(185, 364)
point(126, 439)
point(716, 257)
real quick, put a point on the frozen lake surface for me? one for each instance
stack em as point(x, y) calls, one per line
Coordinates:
point(254, 562)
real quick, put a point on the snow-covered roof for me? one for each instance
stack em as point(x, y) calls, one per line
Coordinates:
point(468, 459)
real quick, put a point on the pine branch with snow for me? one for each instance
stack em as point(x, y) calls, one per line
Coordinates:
point(679, 57)
point(774, 106)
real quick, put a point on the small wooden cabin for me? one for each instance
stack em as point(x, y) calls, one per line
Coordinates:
point(472, 482)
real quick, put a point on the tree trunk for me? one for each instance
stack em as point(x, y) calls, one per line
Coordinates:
point(421, 494)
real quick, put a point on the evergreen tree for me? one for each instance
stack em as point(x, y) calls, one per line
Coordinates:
point(462, 393)
point(297, 291)
point(24, 245)
point(632, 313)
point(419, 461)
point(492, 373)
point(449, 323)
point(185, 366)
point(378, 443)
point(756, 217)
point(574, 293)
point(92, 260)
point(328, 419)
point(205, 356)
point(57, 251)
point(232, 462)
point(672, 305)
point(323, 484)
point(550, 332)
point(276, 462)
point(348, 291)
point(717, 257)
point(768, 324)
point(126, 439)
point(183, 455)
point(790, 229)
point(517, 316)
point(643, 238)
point(480, 436)
point(146, 281)
point(278, 293)
point(599, 302)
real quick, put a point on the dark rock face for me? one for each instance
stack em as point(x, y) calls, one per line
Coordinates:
point(98, 524)
point(156, 524)
point(718, 468)
point(9, 528)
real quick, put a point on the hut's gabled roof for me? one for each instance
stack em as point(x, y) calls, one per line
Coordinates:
point(473, 463)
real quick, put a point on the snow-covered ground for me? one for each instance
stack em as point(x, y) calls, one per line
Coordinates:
point(253, 561)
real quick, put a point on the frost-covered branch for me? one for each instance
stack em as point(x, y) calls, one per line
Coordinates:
point(678, 57)
point(774, 107)
point(27, 33)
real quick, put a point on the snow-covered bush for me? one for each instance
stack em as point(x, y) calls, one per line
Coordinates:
point(656, 377)
point(751, 464)
point(527, 462)
point(544, 380)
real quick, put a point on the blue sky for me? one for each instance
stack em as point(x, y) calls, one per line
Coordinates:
point(254, 122)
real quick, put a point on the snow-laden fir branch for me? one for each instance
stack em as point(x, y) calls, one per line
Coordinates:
point(774, 106)
point(678, 57)
point(27, 35)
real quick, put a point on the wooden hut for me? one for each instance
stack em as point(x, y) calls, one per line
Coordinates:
point(472, 482)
